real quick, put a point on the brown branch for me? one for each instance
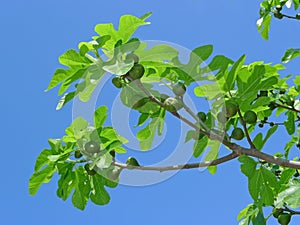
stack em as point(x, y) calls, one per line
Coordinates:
point(285, 107)
point(221, 160)
point(239, 150)
point(292, 212)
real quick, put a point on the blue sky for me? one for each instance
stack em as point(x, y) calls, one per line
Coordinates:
point(35, 33)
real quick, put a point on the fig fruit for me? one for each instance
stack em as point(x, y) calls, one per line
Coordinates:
point(92, 147)
point(237, 134)
point(230, 109)
point(250, 117)
point(173, 104)
point(201, 116)
point(284, 218)
point(137, 71)
point(179, 89)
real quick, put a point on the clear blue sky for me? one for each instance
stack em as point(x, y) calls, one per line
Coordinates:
point(34, 33)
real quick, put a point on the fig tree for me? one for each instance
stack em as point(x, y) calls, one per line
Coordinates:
point(237, 134)
point(250, 117)
point(137, 71)
point(179, 89)
point(92, 147)
point(230, 109)
point(173, 104)
point(263, 93)
point(284, 218)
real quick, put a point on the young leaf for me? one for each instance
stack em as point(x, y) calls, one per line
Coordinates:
point(100, 115)
point(99, 195)
point(40, 177)
point(290, 123)
point(199, 146)
point(80, 196)
point(290, 54)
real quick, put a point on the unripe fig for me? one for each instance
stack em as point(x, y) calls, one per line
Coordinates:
point(284, 218)
point(173, 104)
point(117, 82)
point(202, 116)
point(137, 71)
point(230, 109)
point(250, 117)
point(132, 162)
point(92, 147)
point(179, 89)
point(237, 134)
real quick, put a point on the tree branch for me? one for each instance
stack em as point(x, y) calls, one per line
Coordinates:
point(239, 150)
point(221, 160)
point(292, 212)
point(286, 107)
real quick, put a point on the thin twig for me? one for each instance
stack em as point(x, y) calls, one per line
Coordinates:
point(221, 160)
point(292, 212)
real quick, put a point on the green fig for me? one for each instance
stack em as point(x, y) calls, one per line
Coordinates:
point(132, 162)
point(179, 89)
point(230, 109)
point(92, 147)
point(137, 71)
point(284, 218)
point(250, 117)
point(202, 116)
point(237, 134)
point(173, 104)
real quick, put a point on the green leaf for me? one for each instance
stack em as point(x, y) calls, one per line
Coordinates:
point(201, 53)
point(191, 134)
point(72, 58)
point(258, 141)
point(248, 165)
point(79, 126)
point(147, 134)
point(210, 91)
point(100, 115)
point(59, 76)
point(261, 184)
point(92, 75)
point(146, 16)
point(143, 118)
point(199, 146)
point(263, 25)
point(99, 195)
point(231, 76)
point(219, 62)
point(290, 196)
point(290, 54)
point(286, 175)
point(42, 159)
point(119, 68)
point(290, 122)
point(65, 99)
point(80, 196)
point(40, 177)
point(127, 26)
point(66, 182)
